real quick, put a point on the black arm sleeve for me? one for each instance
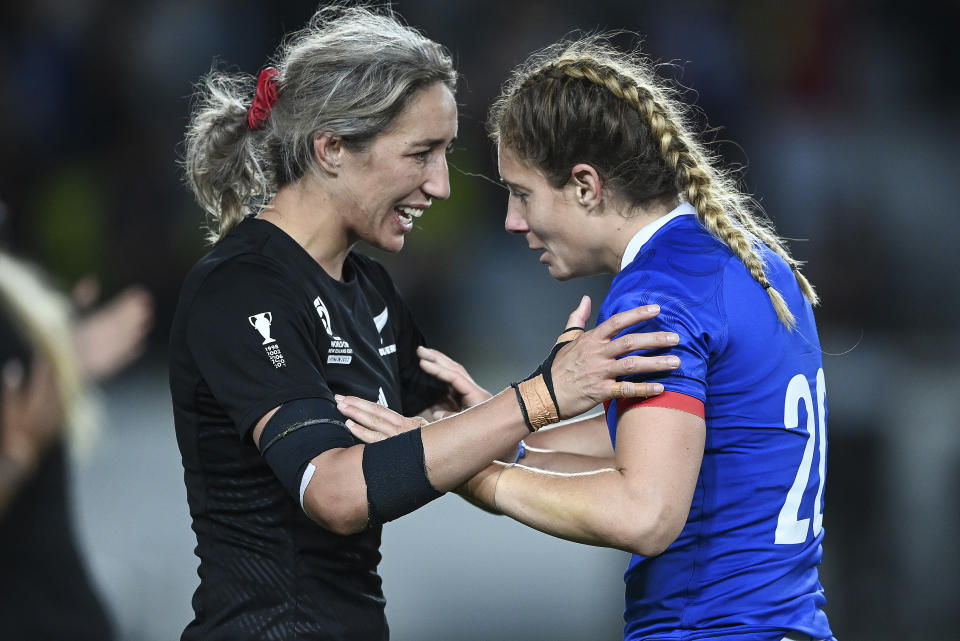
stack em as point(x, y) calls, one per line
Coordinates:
point(396, 477)
point(296, 433)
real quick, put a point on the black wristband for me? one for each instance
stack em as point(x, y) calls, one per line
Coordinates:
point(523, 406)
point(545, 369)
point(396, 477)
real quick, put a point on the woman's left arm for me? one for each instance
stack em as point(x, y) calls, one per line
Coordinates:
point(640, 506)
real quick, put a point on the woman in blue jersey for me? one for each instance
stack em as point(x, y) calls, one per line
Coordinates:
point(716, 485)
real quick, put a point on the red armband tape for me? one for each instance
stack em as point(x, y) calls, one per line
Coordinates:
point(672, 400)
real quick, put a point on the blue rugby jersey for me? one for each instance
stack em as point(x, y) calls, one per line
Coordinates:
point(745, 564)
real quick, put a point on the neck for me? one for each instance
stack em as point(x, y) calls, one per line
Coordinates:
point(305, 212)
point(633, 220)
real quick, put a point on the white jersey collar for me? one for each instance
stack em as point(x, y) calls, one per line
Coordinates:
point(647, 231)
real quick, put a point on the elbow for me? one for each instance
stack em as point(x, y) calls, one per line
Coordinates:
point(347, 525)
point(336, 514)
point(651, 534)
point(652, 543)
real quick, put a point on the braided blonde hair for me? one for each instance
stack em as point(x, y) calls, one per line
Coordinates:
point(585, 102)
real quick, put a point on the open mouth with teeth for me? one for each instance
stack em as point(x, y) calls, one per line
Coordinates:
point(407, 215)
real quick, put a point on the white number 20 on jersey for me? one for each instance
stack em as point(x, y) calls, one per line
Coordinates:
point(790, 527)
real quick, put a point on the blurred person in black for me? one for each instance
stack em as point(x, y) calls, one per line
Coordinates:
point(49, 357)
point(345, 140)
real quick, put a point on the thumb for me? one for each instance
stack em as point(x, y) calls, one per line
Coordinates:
point(581, 314)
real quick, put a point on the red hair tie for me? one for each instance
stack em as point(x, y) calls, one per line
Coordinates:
point(264, 99)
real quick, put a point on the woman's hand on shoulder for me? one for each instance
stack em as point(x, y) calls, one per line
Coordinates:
point(585, 371)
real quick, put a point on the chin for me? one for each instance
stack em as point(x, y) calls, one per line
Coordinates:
point(559, 274)
point(391, 245)
point(565, 272)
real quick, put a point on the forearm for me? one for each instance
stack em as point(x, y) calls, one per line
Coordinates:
point(586, 436)
point(445, 454)
point(576, 446)
point(339, 495)
point(564, 462)
point(458, 447)
point(560, 462)
point(640, 506)
point(596, 508)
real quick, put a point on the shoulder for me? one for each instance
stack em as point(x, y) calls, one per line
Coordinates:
point(682, 269)
point(218, 272)
point(227, 284)
point(370, 271)
point(368, 267)
point(682, 264)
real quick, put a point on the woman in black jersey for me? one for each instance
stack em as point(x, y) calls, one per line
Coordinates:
point(343, 141)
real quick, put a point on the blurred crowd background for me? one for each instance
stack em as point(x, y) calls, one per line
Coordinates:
point(844, 119)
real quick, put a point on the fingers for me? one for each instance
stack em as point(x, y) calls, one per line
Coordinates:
point(629, 389)
point(370, 415)
point(449, 371)
point(643, 365)
point(581, 314)
point(643, 341)
point(619, 322)
point(368, 435)
point(371, 421)
point(438, 364)
point(460, 381)
point(362, 433)
point(438, 357)
point(444, 373)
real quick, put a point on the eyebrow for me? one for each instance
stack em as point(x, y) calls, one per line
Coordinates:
point(433, 142)
point(512, 186)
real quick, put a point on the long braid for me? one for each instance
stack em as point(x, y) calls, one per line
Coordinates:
point(719, 206)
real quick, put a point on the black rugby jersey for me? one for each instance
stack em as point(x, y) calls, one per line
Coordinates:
point(260, 323)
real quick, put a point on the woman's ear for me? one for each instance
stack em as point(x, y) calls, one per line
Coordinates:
point(327, 151)
point(587, 184)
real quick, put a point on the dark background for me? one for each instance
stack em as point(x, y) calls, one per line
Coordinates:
point(843, 116)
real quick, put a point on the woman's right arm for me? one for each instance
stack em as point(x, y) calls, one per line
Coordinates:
point(347, 489)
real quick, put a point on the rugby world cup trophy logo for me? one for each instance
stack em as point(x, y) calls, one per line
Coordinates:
point(261, 322)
